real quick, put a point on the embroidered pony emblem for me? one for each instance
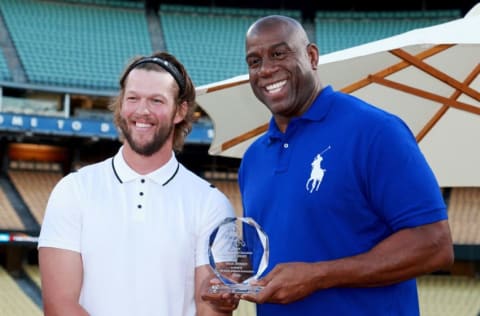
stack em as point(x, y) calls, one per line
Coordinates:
point(317, 173)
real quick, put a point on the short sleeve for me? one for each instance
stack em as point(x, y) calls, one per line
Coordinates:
point(402, 186)
point(217, 208)
point(62, 223)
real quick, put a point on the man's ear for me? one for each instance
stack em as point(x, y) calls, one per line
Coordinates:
point(181, 112)
point(313, 53)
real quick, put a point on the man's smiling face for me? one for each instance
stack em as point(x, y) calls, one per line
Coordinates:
point(280, 68)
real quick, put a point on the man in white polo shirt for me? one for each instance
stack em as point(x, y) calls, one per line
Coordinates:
point(129, 235)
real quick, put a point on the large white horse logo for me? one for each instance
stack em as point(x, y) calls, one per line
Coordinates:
point(316, 175)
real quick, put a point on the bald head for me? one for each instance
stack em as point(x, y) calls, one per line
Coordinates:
point(288, 25)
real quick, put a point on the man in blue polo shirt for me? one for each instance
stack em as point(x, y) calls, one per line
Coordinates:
point(352, 210)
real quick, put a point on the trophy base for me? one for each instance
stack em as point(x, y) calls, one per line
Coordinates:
point(235, 289)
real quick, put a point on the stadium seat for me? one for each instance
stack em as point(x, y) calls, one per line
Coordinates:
point(75, 44)
point(336, 30)
point(13, 301)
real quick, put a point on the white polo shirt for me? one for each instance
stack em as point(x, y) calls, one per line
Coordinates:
point(140, 236)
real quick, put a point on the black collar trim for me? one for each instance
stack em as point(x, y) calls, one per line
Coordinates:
point(115, 172)
point(173, 175)
point(163, 184)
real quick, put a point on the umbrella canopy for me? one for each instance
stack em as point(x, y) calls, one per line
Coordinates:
point(429, 77)
point(238, 117)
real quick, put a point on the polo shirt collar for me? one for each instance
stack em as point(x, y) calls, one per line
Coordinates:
point(162, 176)
point(320, 106)
point(317, 112)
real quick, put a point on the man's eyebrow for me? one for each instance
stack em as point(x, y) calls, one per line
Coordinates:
point(280, 45)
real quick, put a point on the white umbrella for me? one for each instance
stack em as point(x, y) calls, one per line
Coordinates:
point(429, 77)
point(238, 117)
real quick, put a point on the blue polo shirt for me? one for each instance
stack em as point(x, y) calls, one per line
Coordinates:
point(343, 177)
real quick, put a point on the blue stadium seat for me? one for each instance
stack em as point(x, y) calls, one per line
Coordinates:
point(4, 71)
point(75, 44)
point(344, 29)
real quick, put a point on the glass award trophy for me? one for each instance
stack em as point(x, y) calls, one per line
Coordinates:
point(238, 253)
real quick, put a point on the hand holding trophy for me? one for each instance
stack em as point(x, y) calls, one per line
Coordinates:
point(238, 253)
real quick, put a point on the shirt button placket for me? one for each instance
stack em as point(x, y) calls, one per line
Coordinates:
point(139, 206)
point(284, 157)
point(141, 194)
